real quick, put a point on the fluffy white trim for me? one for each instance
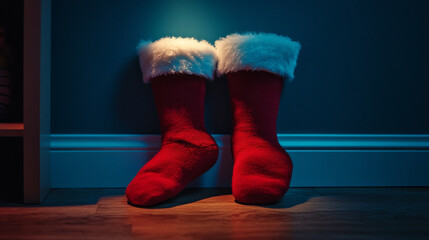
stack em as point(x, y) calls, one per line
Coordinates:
point(176, 55)
point(257, 51)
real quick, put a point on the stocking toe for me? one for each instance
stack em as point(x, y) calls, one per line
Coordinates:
point(151, 190)
point(255, 189)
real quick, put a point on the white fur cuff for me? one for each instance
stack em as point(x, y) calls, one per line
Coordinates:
point(176, 55)
point(257, 51)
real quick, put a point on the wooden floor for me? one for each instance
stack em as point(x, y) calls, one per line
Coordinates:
point(304, 213)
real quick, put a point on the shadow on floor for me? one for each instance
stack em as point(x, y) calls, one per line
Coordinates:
point(294, 197)
point(190, 195)
point(91, 196)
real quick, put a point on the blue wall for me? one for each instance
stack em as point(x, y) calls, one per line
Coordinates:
point(363, 67)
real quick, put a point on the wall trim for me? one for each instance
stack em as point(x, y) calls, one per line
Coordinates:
point(320, 160)
point(288, 141)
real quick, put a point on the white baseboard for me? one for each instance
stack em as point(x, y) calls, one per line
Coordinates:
point(320, 160)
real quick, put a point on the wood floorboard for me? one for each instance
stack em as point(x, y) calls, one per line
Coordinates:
point(304, 213)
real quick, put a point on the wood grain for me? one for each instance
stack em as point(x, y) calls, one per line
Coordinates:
point(304, 213)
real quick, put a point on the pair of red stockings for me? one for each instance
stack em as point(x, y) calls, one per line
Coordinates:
point(262, 169)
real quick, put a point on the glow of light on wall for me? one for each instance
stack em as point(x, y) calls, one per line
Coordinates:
point(199, 19)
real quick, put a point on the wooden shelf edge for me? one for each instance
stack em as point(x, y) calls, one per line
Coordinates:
point(11, 129)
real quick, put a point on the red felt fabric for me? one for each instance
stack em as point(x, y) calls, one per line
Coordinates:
point(187, 150)
point(262, 168)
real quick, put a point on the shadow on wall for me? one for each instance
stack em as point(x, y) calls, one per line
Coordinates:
point(218, 115)
point(131, 91)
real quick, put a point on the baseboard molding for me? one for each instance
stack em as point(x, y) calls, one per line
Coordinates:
point(320, 160)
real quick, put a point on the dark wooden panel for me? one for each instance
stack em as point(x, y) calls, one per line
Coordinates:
point(36, 99)
point(11, 179)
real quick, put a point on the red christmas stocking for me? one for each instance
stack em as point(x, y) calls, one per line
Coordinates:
point(255, 65)
point(177, 69)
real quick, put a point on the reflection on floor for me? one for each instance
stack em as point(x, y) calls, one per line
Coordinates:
point(304, 213)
